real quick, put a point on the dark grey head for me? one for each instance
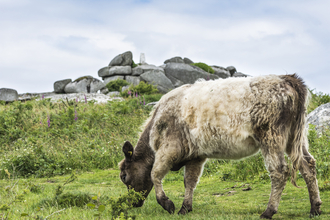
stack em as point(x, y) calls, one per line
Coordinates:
point(135, 172)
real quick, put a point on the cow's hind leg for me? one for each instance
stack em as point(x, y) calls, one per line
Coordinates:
point(307, 170)
point(193, 170)
point(279, 173)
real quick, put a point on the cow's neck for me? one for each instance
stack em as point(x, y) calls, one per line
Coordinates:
point(143, 150)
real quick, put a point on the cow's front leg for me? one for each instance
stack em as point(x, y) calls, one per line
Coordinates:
point(162, 165)
point(193, 170)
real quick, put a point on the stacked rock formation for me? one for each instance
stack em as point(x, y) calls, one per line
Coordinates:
point(173, 73)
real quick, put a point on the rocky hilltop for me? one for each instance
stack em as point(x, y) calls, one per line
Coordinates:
point(173, 73)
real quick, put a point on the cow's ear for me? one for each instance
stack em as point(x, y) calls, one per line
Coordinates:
point(128, 150)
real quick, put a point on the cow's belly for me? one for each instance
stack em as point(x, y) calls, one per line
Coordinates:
point(234, 150)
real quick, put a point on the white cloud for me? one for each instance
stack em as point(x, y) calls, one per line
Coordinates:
point(44, 41)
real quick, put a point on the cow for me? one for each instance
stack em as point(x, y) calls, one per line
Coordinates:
point(229, 118)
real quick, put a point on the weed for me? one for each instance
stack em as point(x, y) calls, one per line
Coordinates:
point(121, 205)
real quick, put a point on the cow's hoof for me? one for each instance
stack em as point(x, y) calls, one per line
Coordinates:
point(316, 209)
point(268, 214)
point(169, 206)
point(184, 211)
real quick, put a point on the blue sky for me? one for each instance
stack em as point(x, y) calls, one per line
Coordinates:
point(42, 41)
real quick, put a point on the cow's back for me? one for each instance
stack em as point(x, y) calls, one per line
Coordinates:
point(212, 117)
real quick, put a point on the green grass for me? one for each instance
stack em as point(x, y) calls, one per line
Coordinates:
point(41, 138)
point(36, 158)
point(212, 198)
point(204, 67)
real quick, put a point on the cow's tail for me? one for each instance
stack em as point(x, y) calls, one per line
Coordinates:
point(299, 130)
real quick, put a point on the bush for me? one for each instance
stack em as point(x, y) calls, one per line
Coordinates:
point(204, 67)
point(317, 99)
point(116, 85)
point(319, 147)
point(43, 139)
point(133, 64)
point(142, 89)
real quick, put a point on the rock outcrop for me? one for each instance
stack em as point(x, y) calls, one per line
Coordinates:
point(85, 84)
point(174, 73)
point(320, 117)
point(221, 72)
point(8, 95)
point(181, 73)
point(124, 59)
point(158, 78)
point(60, 85)
point(174, 60)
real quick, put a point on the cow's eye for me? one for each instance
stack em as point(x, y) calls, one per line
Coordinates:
point(123, 178)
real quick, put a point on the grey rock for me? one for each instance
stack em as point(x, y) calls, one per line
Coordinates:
point(320, 117)
point(114, 94)
point(90, 78)
point(112, 78)
point(187, 60)
point(96, 85)
point(124, 59)
point(157, 78)
point(239, 74)
point(145, 68)
point(8, 95)
point(180, 74)
point(60, 85)
point(232, 70)
point(135, 80)
point(104, 71)
point(80, 85)
point(104, 90)
point(174, 60)
point(221, 72)
point(120, 70)
point(137, 71)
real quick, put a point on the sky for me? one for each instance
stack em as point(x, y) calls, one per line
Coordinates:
point(43, 41)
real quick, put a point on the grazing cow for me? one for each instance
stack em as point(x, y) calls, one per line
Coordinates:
point(226, 119)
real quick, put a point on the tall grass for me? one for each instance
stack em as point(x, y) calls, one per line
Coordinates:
point(42, 138)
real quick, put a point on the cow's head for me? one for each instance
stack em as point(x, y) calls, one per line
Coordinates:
point(135, 172)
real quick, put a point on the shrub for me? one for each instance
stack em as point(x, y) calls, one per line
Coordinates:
point(120, 206)
point(142, 89)
point(204, 67)
point(133, 64)
point(116, 85)
point(317, 99)
point(319, 147)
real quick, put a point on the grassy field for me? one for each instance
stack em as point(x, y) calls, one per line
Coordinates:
point(213, 198)
point(42, 143)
